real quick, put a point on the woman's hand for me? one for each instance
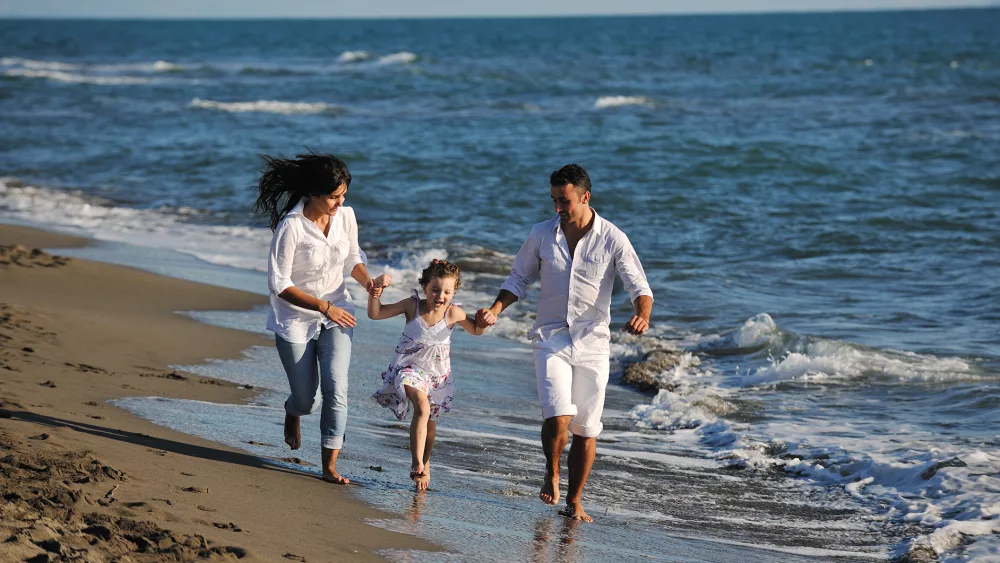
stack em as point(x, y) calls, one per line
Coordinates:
point(340, 317)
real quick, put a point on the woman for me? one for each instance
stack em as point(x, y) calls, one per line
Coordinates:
point(315, 242)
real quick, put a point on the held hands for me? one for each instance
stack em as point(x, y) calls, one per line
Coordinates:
point(377, 285)
point(485, 318)
point(636, 325)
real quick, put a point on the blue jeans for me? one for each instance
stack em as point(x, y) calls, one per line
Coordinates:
point(320, 363)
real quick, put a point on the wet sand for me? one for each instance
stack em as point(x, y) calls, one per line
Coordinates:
point(85, 480)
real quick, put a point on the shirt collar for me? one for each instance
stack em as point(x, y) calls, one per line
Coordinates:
point(597, 228)
point(297, 210)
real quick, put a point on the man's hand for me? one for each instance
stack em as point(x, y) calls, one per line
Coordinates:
point(636, 325)
point(485, 318)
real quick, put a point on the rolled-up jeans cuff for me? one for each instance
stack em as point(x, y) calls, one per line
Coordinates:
point(558, 410)
point(333, 442)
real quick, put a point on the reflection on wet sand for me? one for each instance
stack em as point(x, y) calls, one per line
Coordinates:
point(417, 507)
point(551, 546)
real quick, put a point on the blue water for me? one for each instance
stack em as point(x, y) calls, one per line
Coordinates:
point(814, 197)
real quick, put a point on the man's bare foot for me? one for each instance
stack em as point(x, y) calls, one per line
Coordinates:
point(293, 436)
point(550, 489)
point(574, 511)
point(335, 478)
point(424, 481)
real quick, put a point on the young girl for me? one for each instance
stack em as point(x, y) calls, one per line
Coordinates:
point(420, 372)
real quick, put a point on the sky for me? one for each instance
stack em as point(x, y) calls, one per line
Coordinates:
point(196, 9)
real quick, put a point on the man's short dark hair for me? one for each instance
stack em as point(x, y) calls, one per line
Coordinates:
point(571, 174)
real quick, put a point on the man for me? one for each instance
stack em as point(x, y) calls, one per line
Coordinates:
point(576, 255)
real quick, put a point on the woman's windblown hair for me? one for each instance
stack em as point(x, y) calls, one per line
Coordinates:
point(285, 181)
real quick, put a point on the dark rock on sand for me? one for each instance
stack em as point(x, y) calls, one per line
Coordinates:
point(643, 374)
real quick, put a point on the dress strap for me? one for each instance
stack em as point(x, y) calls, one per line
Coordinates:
point(416, 307)
point(450, 305)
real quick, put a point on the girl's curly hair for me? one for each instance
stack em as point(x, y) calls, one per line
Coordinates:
point(440, 269)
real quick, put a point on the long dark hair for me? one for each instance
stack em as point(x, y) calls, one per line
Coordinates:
point(285, 181)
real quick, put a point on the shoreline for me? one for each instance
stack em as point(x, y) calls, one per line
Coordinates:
point(76, 335)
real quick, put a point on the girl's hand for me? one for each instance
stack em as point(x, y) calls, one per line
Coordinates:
point(379, 283)
point(376, 292)
point(340, 317)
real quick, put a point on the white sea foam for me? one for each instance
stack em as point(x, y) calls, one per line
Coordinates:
point(76, 213)
point(353, 56)
point(86, 73)
point(402, 57)
point(952, 489)
point(74, 78)
point(165, 66)
point(831, 360)
point(617, 101)
point(267, 106)
point(38, 65)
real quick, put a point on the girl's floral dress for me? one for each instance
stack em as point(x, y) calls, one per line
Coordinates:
point(422, 361)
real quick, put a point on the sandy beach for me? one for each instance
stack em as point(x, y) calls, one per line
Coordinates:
point(85, 480)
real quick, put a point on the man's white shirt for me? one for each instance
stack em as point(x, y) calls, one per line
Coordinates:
point(301, 255)
point(576, 289)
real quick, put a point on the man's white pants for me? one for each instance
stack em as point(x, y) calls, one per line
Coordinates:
point(571, 382)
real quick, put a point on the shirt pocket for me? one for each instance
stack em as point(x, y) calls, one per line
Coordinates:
point(552, 259)
point(594, 266)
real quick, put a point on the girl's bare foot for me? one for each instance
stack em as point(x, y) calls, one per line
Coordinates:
point(424, 480)
point(574, 511)
point(293, 436)
point(550, 489)
point(336, 478)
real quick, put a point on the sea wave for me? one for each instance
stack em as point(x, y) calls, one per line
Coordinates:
point(62, 76)
point(86, 73)
point(618, 101)
point(952, 488)
point(402, 57)
point(38, 65)
point(268, 106)
point(77, 213)
point(155, 66)
point(353, 56)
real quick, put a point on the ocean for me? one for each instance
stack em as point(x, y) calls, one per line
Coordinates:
point(815, 199)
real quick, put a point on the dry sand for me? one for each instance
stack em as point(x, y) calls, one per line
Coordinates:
point(85, 481)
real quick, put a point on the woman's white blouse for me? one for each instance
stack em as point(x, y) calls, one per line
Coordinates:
point(316, 264)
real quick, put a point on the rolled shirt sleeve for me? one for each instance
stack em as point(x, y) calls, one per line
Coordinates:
point(355, 255)
point(526, 266)
point(630, 270)
point(279, 261)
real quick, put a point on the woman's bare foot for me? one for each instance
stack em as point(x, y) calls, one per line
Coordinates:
point(574, 511)
point(424, 480)
point(293, 435)
point(330, 474)
point(550, 489)
point(416, 471)
point(336, 478)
